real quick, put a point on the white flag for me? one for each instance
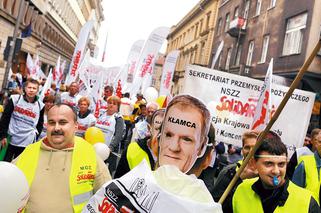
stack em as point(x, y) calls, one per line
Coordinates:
point(46, 88)
point(144, 68)
point(130, 67)
point(79, 51)
point(168, 72)
point(56, 71)
point(37, 67)
point(263, 107)
point(31, 67)
point(217, 53)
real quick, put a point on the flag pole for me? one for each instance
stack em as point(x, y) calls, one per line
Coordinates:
point(273, 119)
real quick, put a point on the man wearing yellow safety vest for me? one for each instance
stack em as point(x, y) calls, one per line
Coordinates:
point(272, 191)
point(63, 171)
point(307, 173)
point(227, 174)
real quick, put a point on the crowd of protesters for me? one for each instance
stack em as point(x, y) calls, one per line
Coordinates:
point(135, 129)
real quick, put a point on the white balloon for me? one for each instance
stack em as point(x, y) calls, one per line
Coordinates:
point(150, 94)
point(102, 150)
point(14, 188)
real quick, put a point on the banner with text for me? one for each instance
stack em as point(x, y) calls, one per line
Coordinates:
point(168, 72)
point(144, 68)
point(130, 66)
point(232, 101)
point(79, 51)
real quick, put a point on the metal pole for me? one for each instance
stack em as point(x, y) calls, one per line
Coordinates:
point(294, 84)
point(12, 46)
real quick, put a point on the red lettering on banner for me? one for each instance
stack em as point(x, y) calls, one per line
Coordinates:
point(237, 106)
point(263, 111)
point(132, 67)
point(76, 63)
point(25, 112)
point(106, 207)
point(167, 79)
point(147, 65)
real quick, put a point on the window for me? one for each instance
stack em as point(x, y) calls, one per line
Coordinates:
point(219, 26)
point(228, 59)
point(238, 55)
point(250, 54)
point(265, 47)
point(227, 22)
point(272, 3)
point(236, 12)
point(294, 34)
point(202, 53)
point(258, 7)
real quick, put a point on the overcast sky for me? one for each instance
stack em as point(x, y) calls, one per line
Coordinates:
point(129, 20)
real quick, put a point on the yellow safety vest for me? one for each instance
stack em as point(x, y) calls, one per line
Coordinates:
point(312, 182)
point(135, 155)
point(82, 175)
point(246, 200)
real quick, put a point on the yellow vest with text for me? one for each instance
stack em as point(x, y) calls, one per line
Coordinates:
point(246, 200)
point(312, 182)
point(135, 155)
point(83, 166)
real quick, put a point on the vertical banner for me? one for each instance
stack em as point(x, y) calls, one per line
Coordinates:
point(144, 68)
point(232, 101)
point(46, 88)
point(130, 67)
point(262, 112)
point(168, 72)
point(79, 51)
point(56, 71)
point(217, 53)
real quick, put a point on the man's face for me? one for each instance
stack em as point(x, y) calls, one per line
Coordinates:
point(156, 124)
point(61, 127)
point(316, 143)
point(268, 167)
point(108, 93)
point(249, 143)
point(31, 90)
point(73, 89)
point(180, 141)
point(150, 110)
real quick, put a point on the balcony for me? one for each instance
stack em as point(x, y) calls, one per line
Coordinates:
point(237, 27)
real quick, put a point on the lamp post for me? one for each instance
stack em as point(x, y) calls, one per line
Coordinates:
point(12, 46)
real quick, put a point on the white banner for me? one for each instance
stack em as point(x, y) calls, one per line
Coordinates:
point(56, 71)
point(217, 53)
point(144, 68)
point(262, 112)
point(232, 100)
point(91, 74)
point(168, 72)
point(141, 190)
point(31, 68)
point(79, 51)
point(130, 67)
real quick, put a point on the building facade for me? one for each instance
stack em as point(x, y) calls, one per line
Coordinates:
point(193, 37)
point(55, 26)
point(254, 31)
